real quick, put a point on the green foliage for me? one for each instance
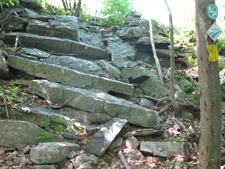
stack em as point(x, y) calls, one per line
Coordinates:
point(44, 136)
point(191, 62)
point(179, 139)
point(10, 93)
point(115, 11)
point(221, 41)
point(49, 9)
point(9, 2)
point(222, 66)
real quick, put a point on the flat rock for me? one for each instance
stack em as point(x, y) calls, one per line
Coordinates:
point(136, 75)
point(162, 149)
point(64, 75)
point(52, 152)
point(94, 101)
point(71, 136)
point(45, 43)
point(164, 52)
point(34, 52)
point(144, 132)
point(44, 167)
point(132, 142)
point(81, 65)
point(110, 68)
point(21, 134)
point(101, 140)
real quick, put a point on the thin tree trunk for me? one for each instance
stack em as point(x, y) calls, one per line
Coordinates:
point(154, 51)
point(64, 5)
point(78, 9)
point(96, 9)
point(172, 63)
point(210, 93)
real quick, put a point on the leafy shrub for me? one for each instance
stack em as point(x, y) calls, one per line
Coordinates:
point(9, 2)
point(115, 11)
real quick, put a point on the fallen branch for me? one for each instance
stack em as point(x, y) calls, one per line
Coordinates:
point(179, 123)
point(162, 100)
point(165, 108)
point(123, 159)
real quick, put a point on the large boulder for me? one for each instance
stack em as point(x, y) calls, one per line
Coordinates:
point(61, 26)
point(98, 102)
point(52, 152)
point(21, 133)
point(101, 140)
point(90, 39)
point(153, 86)
point(68, 76)
point(59, 45)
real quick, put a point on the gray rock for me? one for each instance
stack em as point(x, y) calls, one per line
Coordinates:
point(113, 41)
point(29, 13)
point(131, 32)
point(65, 46)
point(71, 136)
point(89, 130)
point(4, 70)
point(116, 143)
point(70, 166)
point(10, 150)
point(86, 161)
point(26, 150)
point(132, 142)
point(11, 134)
point(2, 43)
point(164, 52)
point(90, 39)
point(136, 75)
point(152, 86)
point(162, 149)
point(184, 84)
point(44, 167)
point(64, 76)
point(157, 40)
point(101, 140)
point(122, 53)
point(98, 102)
point(72, 154)
point(110, 68)
point(12, 22)
point(144, 132)
point(76, 64)
point(52, 152)
point(32, 4)
point(16, 163)
point(146, 103)
point(61, 26)
point(34, 52)
point(23, 82)
point(133, 156)
point(36, 115)
point(98, 118)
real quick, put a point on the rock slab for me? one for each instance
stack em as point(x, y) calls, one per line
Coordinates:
point(103, 138)
point(21, 134)
point(162, 149)
point(52, 152)
point(68, 77)
point(98, 102)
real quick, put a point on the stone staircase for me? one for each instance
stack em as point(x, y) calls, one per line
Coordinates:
point(65, 72)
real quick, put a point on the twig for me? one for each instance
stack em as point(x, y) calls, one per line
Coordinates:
point(123, 159)
point(165, 108)
point(181, 124)
point(6, 109)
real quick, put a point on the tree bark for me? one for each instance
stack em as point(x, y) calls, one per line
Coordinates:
point(78, 9)
point(172, 63)
point(210, 93)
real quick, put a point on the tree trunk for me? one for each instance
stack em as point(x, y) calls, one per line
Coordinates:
point(172, 63)
point(210, 93)
point(154, 51)
point(96, 9)
point(78, 9)
point(64, 5)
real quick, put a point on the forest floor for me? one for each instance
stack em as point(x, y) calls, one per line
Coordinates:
point(184, 130)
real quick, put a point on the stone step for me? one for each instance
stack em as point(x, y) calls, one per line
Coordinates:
point(94, 101)
point(68, 77)
point(59, 45)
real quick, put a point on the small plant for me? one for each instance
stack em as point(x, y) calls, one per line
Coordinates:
point(68, 129)
point(44, 136)
point(191, 62)
point(179, 139)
